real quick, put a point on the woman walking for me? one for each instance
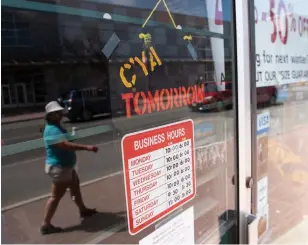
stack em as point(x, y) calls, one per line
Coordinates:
point(60, 163)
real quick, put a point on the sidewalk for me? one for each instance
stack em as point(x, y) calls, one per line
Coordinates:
point(21, 224)
point(297, 235)
point(22, 117)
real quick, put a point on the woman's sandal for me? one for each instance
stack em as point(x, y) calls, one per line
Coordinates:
point(49, 229)
point(88, 213)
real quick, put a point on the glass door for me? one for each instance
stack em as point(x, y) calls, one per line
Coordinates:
point(280, 119)
point(177, 66)
point(173, 161)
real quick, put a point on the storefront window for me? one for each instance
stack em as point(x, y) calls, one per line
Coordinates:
point(6, 98)
point(281, 96)
point(150, 84)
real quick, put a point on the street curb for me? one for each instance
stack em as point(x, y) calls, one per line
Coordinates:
point(21, 120)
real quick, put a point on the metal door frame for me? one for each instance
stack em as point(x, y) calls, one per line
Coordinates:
point(245, 67)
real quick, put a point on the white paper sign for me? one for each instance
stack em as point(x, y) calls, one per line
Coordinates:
point(179, 230)
point(281, 42)
point(262, 193)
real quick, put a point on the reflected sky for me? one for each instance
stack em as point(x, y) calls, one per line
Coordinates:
point(191, 7)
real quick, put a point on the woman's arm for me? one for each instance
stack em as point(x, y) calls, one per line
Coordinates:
point(59, 138)
point(66, 145)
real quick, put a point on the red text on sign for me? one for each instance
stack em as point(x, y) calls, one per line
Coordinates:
point(162, 100)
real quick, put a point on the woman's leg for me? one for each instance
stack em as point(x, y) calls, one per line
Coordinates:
point(57, 192)
point(77, 197)
point(76, 193)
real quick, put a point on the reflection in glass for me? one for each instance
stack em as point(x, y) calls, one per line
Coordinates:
point(170, 61)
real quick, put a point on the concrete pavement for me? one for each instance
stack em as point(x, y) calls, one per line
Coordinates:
point(297, 235)
point(22, 223)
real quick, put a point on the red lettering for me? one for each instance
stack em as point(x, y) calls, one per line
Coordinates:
point(127, 97)
point(136, 103)
point(153, 103)
point(141, 199)
point(176, 98)
point(190, 98)
point(273, 18)
point(194, 97)
point(164, 99)
point(198, 94)
point(167, 106)
point(171, 99)
point(201, 92)
point(180, 97)
point(283, 38)
point(161, 100)
point(184, 97)
point(281, 6)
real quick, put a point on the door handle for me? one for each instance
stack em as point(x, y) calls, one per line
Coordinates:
point(249, 181)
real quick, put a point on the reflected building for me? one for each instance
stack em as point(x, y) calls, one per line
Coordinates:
point(49, 48)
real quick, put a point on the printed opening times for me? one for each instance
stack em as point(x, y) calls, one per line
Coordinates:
point(183, 189)
point(159, 167)
point(179, 173)
point(160, 179)
point(177, 156)
point(179, 166)
point(177, 147)
point(155, 155)
point(167, 199)
point(155, 170)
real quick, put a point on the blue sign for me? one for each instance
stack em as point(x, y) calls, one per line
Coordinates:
point(263, 122)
